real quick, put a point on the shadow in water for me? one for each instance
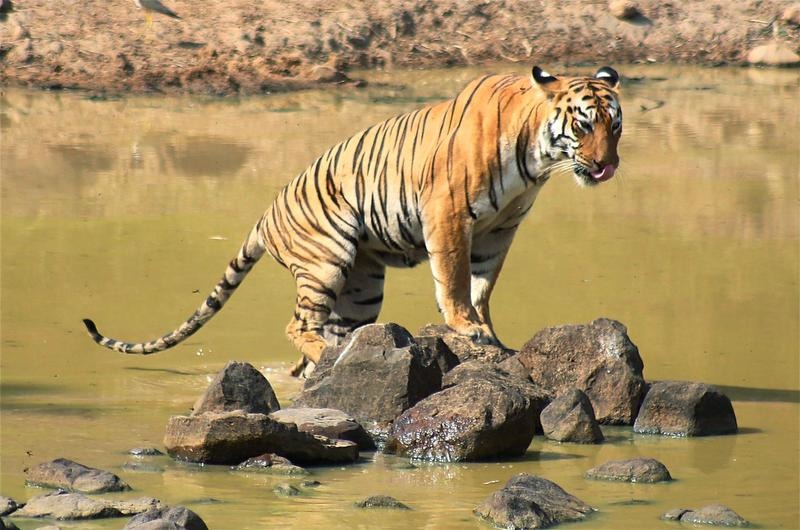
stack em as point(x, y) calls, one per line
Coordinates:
point(543, 456)
point(163, 370)
point(743, 393)
point(12, 390)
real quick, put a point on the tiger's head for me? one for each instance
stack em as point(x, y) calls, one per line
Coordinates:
point(583, 123)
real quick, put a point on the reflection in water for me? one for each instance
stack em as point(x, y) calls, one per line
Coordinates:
point(129, 209)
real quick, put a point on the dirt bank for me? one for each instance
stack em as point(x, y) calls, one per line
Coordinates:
point(251, 46)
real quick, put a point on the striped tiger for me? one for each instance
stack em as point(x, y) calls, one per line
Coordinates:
point(449, 183)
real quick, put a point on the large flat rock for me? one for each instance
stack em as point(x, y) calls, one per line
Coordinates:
point(72, 476)
point(66, 506)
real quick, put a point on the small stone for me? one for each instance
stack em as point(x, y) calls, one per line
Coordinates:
point(145, 451)
point(8, 505)
point(791, 14)
point(381, 501)
point(775, 53)
point(646, 470)
point(310, 484)
point(326, 422)
point(285, 489)
point(63, 505)
point(167, 518)
point(238, 386)
point(624, 9)
point(713, 514)
point(72, 476)
point(272, 464)
point(570, 418)
point(683, 408)
point(527, 501)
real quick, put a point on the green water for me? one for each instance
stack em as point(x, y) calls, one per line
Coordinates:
point(127, 210)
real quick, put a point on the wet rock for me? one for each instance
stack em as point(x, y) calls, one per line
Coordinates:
point(570, 418)
point(72, 476)
point(791, 14)
point(326, 422)
point(63, 505)
point(239, 386)
point(284, 489)
point(167, 518)
point(9, 505)
point(389, 370)
point(645, 470)
point(774, 53)
point(683, 408)
point(145, 451)
point(483, 413)
point(381, 501)
point(439, 351)
point(463, 347)
point(527, 501)
point(232, 437)
point(597, 358)
point(272, 464)
point(713, 514)
point(624, 9)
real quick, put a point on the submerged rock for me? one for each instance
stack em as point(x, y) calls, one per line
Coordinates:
point(284, 489)
point(597, 358)
point(713, 514)
point(570, 418)
point(232, 437)
point(527, 501)
point(464, 348)
point(238, 386)
point(683, 408)
point(483, 413)
point(167, 518)
point(145, 451)
point(326, 422)
point(63, 505)
point(647, 470)
point(377, 375)
point(381, 501)
point(272, 464)
point(66, 474)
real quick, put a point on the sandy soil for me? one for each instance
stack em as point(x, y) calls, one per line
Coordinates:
point(251, 46)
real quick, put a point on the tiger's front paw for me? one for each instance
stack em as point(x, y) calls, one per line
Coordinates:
point(480, 335)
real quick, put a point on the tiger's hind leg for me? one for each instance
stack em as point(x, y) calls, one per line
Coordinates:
point(358, 303)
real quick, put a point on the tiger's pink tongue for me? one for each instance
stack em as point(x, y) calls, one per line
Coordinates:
point(604, 174)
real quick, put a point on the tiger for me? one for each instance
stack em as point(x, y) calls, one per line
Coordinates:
point(449, 183)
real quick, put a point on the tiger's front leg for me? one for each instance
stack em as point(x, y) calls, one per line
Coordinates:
point(448, 242)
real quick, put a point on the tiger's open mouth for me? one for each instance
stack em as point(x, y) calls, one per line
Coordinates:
point(591, 177)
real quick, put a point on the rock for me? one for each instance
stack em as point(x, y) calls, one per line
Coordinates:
point(513, 367)
point(141, 467)
point(63, 505)
point(682, 408)
point(9, 505)
point(310, 484)
point(272, 464)
point(145, 451)
point(284, 489)
point(232, 437)
point(439, 351)
point(791, 14)
point(8, 525)
point(5, 6)
point(463, 347)
point(570, 418)
point(713, 514)
point(390, 371)
point(774, 53)
point(326, 422)
point(597, 358)
point(624, 9)
point(527, 501)
point(381, 501)
point(69, 475)
point(239, 386)
point(645, 470)
point(167, 518)
point(484, 414)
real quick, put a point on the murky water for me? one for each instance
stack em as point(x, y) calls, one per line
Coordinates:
point(127, 211)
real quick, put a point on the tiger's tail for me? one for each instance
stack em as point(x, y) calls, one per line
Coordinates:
point(250, 252)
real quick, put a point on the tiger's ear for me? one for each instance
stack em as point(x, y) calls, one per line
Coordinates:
point(609, 75)
point(542, 78)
